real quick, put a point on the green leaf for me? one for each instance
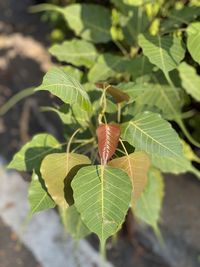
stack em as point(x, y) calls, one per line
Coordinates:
point(102, 195)
point(77, 52)
point(38, 197)
point(89, 21)
point(64, 86)
point(148, 206)
point(165, 52)
point(193, 40)
point(178, 17)
point(149, 132)
point(164, 97)
point(74, 72)
point(190, 80)
point(137, 2)
point(174, 165)
point(57, 167)
point(75, 225)
point(109, 65)
point(31, 154)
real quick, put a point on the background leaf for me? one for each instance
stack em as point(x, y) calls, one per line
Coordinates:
point(89, 21)
point(136, 165)
point(29, 157)
point(165, 52)
point(178, 17)
point(165, 98)
point(148, 206)
point(193, 40)
point(75, 51)
point(102, 195)
point(176, 165)
point(190, 80)
point(64, 86)
point(75, 225)
point(149, 132)
point(55, 169)
point(38, 197)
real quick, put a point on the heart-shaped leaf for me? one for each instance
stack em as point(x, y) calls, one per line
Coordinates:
point(102, 195)
point(165, 52)
point(136, 165)
point(56, 168)
point(108, 138)
point(149, 132)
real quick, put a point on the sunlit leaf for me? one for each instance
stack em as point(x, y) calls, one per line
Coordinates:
point(136, 165)
point(57, 167)
point(91, 22)
point(108, 138)
point(149, 132)
point(75, 51)
point(74, 72)
point(193, 40)
point(64, 86)
point(38, 197)
point(148, 206)
point(29, 157)
point(102, 195)
point(165, 52)
point(190, 80)
point(75, 225)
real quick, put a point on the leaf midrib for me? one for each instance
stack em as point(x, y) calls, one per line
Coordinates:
point(149, 136)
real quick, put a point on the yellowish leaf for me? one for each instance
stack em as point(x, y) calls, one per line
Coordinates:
point(136, 165)
point(55, 168)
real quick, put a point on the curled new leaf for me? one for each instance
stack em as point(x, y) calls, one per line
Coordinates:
point(108, 138)
point(118, 95)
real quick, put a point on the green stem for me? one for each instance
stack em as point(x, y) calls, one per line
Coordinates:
point(178, 120)
point(70, 140)
point(15, 99)
point(45, 7)
point(103, 250)
point(159, 235)
point(187, 134)
point(195, 172)
point(122, 49)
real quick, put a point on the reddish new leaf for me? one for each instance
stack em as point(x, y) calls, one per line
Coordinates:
point(108, 138)
point(118, 95)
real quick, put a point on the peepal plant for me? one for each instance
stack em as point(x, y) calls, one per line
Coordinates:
point(125, 76)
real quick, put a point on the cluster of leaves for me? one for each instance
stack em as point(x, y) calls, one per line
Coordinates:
point(123, 74)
